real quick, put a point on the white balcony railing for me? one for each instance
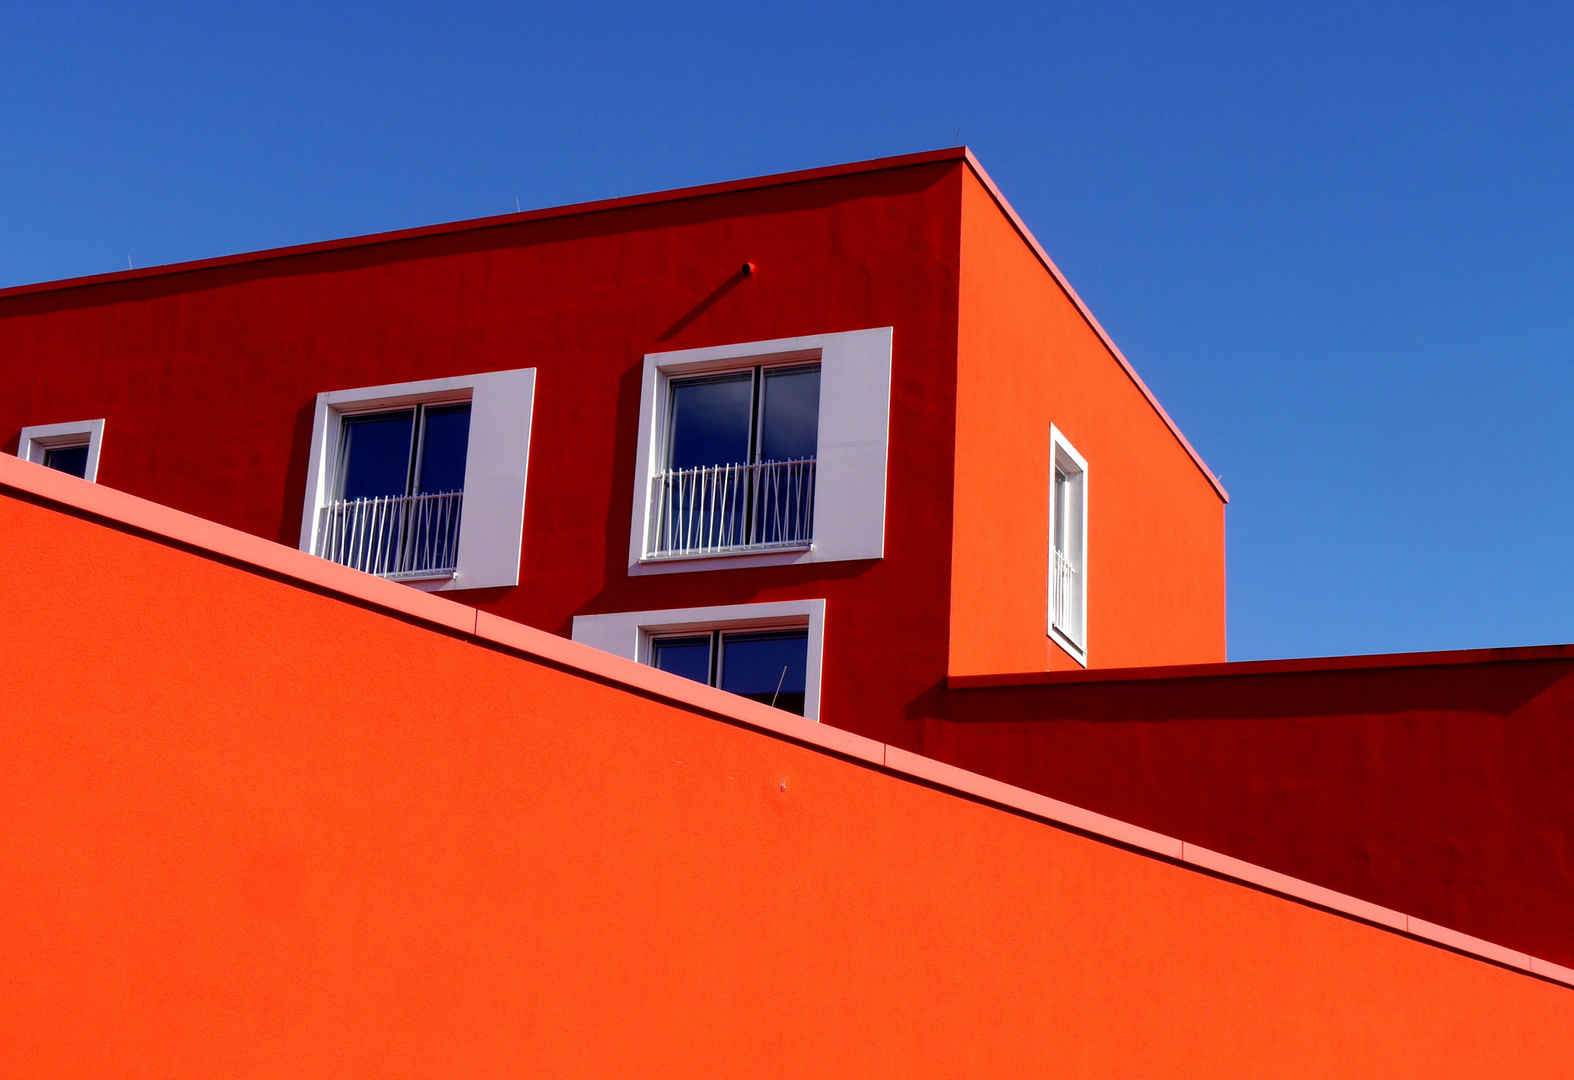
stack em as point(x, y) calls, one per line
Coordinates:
point(394, 536)
point(1063, 583)
point(730, 508)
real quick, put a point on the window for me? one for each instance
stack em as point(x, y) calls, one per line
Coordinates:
point(1068, 532)
point(764, 453)
point(399, 492)
point(738, 465)
point(767, 652)
point(423, 482)
point(68, 448)
point(768, 666)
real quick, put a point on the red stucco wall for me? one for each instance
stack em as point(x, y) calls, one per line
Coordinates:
point(207, 381)
point(1441, 790)
point(1027, 358)
point(250, 829)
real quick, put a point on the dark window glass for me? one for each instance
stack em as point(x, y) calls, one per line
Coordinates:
point(443, 447)
point(376, 454)
point(790, 414)
point(687, 656)
point(710, 421)
point(768, 667)
point(67, 459)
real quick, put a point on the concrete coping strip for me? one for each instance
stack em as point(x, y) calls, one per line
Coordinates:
point(130, 512)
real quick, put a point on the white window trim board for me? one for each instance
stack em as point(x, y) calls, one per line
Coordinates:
point(1061, 450)
point(35, 440)
point(497, 460)
point(628, 633)
point(850, 469)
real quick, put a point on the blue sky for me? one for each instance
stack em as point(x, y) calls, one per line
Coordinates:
point(1336, 239)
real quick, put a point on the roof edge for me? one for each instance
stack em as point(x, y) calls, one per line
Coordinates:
point(130, 513)
point(1229, 669)
point(1109, 342)
point(473, 224)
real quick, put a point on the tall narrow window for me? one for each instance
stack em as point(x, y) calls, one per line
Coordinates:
point(399, 492)
point(768, 666)
point(738, 462)
point(1068, 610)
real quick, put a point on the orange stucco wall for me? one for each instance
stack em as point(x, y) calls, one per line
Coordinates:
point(1027, 359)
point(249, 829)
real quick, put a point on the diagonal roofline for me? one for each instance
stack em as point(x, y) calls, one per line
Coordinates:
point(161, 524)
point(958, 153)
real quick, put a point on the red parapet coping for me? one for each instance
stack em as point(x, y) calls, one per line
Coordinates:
point(1372, 661)
point(119, 510)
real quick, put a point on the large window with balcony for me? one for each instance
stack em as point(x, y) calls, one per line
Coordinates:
point(738, 464)
point(400, 489)
point(1068, 547)
point(423, 482)
point(763, 453)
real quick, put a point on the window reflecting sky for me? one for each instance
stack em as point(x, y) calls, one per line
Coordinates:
point(377, 454)
point(790, 414)
point(689, 656)
point(443, 449)
point(756, 665)
point(710, 421)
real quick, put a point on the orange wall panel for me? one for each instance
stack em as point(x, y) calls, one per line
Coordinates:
point(1027, 359)
point(248, 829)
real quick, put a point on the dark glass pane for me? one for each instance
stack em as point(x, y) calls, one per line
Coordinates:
point(755, 665)
point(688, 656)
point(443, 449)
point(67, 459)
point(709, 424)
point(377, 455)
point(790, 414)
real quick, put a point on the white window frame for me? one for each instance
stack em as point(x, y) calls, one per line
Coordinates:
point(1063, 456)
point(497, 460)
point(629, 633)
point(37, 440)
point(850, 459)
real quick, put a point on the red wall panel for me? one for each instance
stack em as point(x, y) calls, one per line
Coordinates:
point(1440, 790)
point(253, 830)
point(207, 378)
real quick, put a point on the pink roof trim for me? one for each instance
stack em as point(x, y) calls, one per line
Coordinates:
point(118, 510)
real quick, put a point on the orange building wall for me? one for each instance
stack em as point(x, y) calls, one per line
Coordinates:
point(1027, 358)
point(249, 829)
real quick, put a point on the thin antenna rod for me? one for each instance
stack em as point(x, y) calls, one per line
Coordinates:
point(128, 263)
point(517, 210)
point(779, 686)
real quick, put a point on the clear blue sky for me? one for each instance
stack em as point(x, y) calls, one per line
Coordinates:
point(1336, 239)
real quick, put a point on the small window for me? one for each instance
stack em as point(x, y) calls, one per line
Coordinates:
point(399, 492)
point(1068, 520)
point(67, 459)
point(67, 448)
point(768, 666)
point(738, 462)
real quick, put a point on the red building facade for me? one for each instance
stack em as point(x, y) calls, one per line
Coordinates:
point(973, 421)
